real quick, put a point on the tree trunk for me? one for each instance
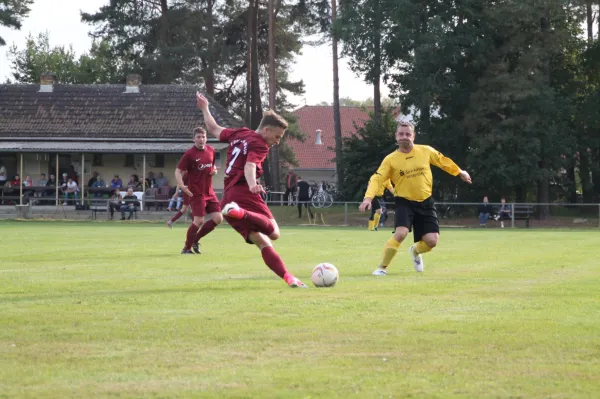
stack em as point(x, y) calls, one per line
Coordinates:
point(572, 184)
point(274, 161)
point(255, 100)
point(590, 20)
point(377, 66)
point(249, 30)
point(209, 78)
point(543, 195)
point(584, 175)
point(337, 127)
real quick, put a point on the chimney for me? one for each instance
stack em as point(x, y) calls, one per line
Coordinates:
point(47, 81)
point(133, 83)
point(318, 137)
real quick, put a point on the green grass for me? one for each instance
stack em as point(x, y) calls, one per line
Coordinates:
point(112, 310)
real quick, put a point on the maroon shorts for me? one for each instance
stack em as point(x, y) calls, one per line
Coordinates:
point(241, 195)
point(204, 206)
point(186, 199)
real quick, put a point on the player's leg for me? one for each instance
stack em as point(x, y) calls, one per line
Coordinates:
point(376, 219)
point(372, 217)
point(176, 217)
point(250, 208)
point(191, 233)
point(215, 218)
point(402, 223)
point(273, 260)
point(426, 232)
point(256, 220)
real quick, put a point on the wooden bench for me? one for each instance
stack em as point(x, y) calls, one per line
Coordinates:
point(98, 206)
point(523, 212)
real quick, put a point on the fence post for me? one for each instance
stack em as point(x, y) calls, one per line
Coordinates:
point(512, 216)
point(346, 214)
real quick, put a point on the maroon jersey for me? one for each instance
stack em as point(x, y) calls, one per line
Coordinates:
point(199, 165)
point(245, 145)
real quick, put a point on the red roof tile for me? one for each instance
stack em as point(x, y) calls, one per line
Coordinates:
point(310, 118)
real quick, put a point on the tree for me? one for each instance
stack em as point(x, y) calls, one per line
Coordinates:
point(337, 126)
point(12, 13)
point(363, 153)
point(363, 46)
point(39, 57)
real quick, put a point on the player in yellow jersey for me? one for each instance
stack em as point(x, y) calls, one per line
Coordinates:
point(375, 204)
point(409, 168)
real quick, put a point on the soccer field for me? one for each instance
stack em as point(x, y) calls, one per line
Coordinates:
point(113, 310)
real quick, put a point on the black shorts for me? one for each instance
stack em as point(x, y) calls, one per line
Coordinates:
point(419, 217)
point(375, 204)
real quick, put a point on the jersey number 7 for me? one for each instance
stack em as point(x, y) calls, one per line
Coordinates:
point(234, 154)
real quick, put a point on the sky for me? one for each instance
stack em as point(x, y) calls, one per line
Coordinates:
point(65, 28)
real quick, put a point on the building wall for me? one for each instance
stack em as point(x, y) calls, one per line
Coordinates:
point(36, 164)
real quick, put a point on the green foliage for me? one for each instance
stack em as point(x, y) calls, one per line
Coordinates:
point(12, 13)
point(364, 152)
point(38, 57)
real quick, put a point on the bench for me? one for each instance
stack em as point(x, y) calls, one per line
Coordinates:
point(523, 212)
point(98, 206)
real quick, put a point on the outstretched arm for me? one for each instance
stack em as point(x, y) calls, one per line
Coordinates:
point(375, 182)
point(211, 125)
point(448, 165)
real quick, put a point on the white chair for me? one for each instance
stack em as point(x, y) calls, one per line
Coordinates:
point(138, 194)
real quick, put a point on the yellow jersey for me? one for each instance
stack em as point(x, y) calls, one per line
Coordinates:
point(387, 184)
point(410, 173)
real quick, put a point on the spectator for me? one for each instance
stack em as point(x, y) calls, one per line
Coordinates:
point(178, 196)
point(303, 197)
point(71, 188)
point(290, 186)
point(134, 183)
point(162, 180)
point(504, 212)
point(151, 180)
point(114, 203)
point(93, 180)
point(15, 182)
point(485, 209)
point(98, 183)
point(63, 181)
point(41, 183)
point(3, 175)
point(51, 181)
point(129, 203)
point(28, 182)
point(116, 182)
point(72, 174)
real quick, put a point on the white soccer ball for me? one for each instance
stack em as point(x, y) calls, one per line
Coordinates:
point(325, 275)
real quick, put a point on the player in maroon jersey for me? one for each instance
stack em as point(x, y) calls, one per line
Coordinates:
point(184, 207)
point(243, 206)
point(199, 163)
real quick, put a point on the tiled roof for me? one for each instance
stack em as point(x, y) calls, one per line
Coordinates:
point(103, 111)
point(101, 147)
point(310, 118)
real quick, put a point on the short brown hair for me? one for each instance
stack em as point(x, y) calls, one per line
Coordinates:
point(406, 123)
point(199, 129)
point(270, 118)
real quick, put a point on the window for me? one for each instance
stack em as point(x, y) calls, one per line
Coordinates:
point(129, 160)
point(97, 160)
point(159, 161)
